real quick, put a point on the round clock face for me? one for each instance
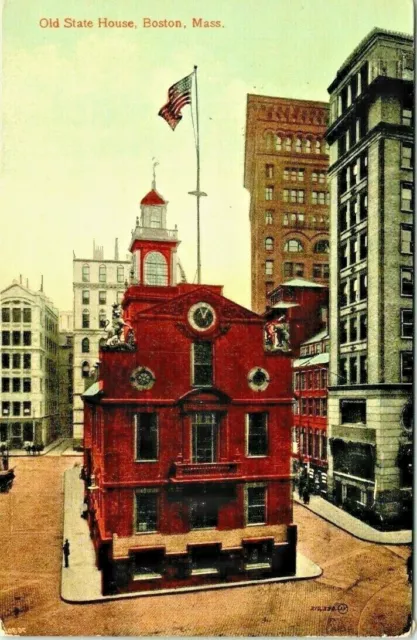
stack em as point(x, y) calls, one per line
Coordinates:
point(201, 316)
point(142, 378)
point(258, 379)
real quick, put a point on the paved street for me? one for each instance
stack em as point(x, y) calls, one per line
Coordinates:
point(370, 579)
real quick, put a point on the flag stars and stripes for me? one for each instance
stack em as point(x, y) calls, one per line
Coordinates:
point(179, 95)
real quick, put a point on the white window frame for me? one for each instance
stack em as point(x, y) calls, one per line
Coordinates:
point(408, 323)
point(253, 485)
point(247, 422)
point(135, 510)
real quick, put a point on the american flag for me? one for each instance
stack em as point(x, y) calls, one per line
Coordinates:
point(178, 96)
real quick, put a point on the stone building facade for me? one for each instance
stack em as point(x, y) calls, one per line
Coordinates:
point(98, 284)
point(371, 138)
point(286, 161)
point(65, 365)
point(29, 351)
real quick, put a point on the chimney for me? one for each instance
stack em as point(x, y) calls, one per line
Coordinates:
point(41, 284)
point(20, 278)
point(116, 249)
point(27, 283)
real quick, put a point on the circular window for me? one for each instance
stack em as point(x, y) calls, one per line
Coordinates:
point(142, 379)
point(258, 379)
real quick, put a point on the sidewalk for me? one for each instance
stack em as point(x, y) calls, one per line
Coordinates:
point(352, 525)
point(81, 582)
point(62, 446)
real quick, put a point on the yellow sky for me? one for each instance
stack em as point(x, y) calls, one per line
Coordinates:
point(80, 124)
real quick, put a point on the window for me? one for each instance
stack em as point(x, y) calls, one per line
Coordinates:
point(363, 286)
point(353, 370)
point(5, 409)
point(146, 510)
point(27, 385)
point(155, 223)
point(363, 246)
point(322, 246)
point(16, 338)
point(16, 314)
point(204, 515)
point(269, 244)
point(278, 143)
point(120, 295)
point(318, 197)
point(5, 385)
point(298, 145)
point(287, 144)
point(343, 332)
point(407, 284)
point(353, 250)
point(16, 408)
point(5, 361)
point(406, 323)
point(85, 345)
point(314, 176)
point(342, 371)
point(85, 276)
point(406, 366)
point(353, 411)
point(269, 193)
point(102, 297)
point(407, 197)
point(406, 239)
point(257, 434)
point(102, 273)
point(269, 171)
point(321, 271)
point(363, 326)
point(5, 314)
point(269, 267)
point(202, 362)
point(293, 246)
point(268, 217)
point(407, 117)
point(343, 256)
point(204, 427)
point(16, 361)
point(292, 269)
point(343, 294)
point(343, 218)
point(255, 504)
point(27, 338)
point(363, 369)
point(85, 370)
point(156, 269)
point(146, 430)
point(307, 148)
point(85, 319)
point(407, 158)
point(85, 297)
point(102, 320)
point(27, 360)
point(317, 146)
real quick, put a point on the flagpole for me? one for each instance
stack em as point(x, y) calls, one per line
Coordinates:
point(197, 193)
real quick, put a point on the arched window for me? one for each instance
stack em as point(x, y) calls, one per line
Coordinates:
point(102, 319)
point(120, 274)
point(298, 145)
point(156, 269)
point(85, 370)
point(293, 246)
point(102, 275)
point(308, 146)
point(85, 345)
point(86, 273)
point(322, 246)
point(317, 146)
point(287, 144)
point(278, 143)
point(86, 319)
point(269, 243)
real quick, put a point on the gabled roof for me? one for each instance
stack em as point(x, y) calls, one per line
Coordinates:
point(153, 198)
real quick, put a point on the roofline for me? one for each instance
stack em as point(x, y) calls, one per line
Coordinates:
point(316, 103)
point(360, 49)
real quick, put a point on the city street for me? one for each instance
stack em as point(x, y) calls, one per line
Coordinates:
point(363, 589)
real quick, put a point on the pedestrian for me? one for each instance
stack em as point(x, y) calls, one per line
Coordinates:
point(410, 568)
point(306, 495)
point(66, 550)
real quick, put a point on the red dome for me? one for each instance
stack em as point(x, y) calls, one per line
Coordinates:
point(152, 198)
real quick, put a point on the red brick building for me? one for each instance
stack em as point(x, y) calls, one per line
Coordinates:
point(310, 411)
point(286, 162)
point(187, 433)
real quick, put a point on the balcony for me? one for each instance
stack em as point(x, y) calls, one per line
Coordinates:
point(209, 470)
point(154, 233)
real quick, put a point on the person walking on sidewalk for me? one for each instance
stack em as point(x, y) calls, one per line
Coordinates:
point(306, 495)
point(66, 550)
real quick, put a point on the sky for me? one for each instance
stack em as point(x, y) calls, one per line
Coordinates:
point(80, 125)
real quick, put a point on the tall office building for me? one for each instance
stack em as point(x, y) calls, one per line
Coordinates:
point(29, 346)
point(371, 264)
point(65, 363)
point(98, 284)
point(286, 161)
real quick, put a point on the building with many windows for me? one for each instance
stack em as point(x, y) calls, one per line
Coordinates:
point(29, 347)
point(187, 435)
point(310, 379)
point(98, 284)
point(371, 138)
point(65, 363)
point(286, 161)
